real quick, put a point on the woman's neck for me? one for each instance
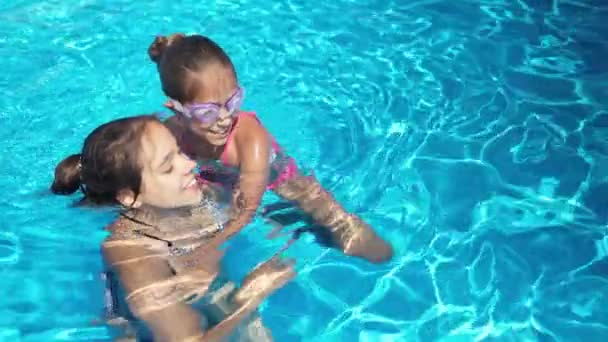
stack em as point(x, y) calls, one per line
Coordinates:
point(176, 221)
point(155, 217)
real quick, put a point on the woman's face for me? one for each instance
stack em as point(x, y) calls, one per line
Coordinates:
point(168, 178)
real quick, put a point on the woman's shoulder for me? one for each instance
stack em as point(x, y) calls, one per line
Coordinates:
point(125, 245)
point(121, 230)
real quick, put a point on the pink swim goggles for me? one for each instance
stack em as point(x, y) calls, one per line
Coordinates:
point(208, 113)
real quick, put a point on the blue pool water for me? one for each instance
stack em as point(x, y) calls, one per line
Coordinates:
point(472, 134)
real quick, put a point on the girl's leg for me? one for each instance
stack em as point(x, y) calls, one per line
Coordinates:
point(346, 231)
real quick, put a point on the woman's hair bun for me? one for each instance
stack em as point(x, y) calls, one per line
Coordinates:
point(67, 176)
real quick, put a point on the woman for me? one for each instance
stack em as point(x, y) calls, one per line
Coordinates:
point(162, 248)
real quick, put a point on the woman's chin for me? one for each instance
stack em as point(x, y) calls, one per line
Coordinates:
point(197, 197)
point(190, 198)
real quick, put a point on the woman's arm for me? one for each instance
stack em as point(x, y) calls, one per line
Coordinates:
point(142, 274)
point(262, 281)
point(146, 278)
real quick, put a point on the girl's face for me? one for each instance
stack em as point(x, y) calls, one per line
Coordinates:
point(216, 104)
point(168, 178)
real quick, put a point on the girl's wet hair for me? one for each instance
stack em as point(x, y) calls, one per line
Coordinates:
point(109, 162)
point(180, 57)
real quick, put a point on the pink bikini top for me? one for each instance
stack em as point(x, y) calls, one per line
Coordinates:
point(282, 166)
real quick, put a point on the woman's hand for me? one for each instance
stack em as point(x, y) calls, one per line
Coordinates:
point(265, 279)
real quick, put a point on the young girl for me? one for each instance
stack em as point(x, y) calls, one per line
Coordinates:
point(162, 248)
point(201, 82)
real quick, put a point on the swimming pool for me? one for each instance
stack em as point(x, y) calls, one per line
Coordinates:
point(472, 134)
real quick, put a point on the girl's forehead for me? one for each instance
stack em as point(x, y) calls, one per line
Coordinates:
point(215, 83)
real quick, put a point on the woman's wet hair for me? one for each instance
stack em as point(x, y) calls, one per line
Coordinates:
point(109, 162)
point(179, 58)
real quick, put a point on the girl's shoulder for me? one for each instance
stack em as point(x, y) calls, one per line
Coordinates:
point(250, 128)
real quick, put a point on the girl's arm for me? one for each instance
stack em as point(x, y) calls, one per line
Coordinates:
point(253, 151)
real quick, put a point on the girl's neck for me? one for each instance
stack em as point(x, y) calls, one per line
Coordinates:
point(200, 147)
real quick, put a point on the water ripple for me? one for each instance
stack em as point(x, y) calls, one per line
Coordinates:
point(471, 134)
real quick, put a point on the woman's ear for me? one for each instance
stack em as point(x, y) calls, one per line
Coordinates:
point(128, 199)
